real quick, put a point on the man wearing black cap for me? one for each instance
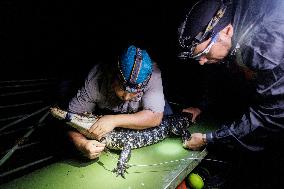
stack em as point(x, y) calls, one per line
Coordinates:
point(249, 34)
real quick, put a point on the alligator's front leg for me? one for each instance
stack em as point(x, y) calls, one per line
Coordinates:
point(123, 160)
point(185, 135)
point(179, 126)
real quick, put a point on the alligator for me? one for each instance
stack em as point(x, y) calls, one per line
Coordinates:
point(126, 139)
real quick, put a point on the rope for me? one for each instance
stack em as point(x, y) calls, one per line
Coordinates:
point(166, 162)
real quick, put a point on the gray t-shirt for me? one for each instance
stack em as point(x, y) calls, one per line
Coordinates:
point(98, 94)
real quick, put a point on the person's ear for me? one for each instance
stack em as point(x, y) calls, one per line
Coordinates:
point(228, 30)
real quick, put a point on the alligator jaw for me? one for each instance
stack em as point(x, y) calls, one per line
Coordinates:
point(58, 113)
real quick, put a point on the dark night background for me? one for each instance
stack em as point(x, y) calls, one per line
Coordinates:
point(51, 38)
point(64, 39)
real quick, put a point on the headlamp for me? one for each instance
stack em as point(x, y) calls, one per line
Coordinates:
point(188, 44)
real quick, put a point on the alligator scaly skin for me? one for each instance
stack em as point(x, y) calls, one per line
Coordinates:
point(127, 139)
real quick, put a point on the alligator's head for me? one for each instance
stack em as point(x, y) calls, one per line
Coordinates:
point(58, 113)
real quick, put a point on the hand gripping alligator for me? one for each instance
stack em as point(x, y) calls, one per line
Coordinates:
point(127, 139)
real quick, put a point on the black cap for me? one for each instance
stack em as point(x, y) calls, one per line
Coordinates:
point(194, 28)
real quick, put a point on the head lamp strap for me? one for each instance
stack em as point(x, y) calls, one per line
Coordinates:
point(120, 74)
point(136, 66)
point(213, 22)
point(182, 39)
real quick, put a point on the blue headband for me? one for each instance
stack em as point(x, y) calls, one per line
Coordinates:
point(135, 69)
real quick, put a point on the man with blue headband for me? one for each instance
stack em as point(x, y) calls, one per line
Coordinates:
point(249, 34)
point(128, 92)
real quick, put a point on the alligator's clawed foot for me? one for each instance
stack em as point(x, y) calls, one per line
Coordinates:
point(121, 170)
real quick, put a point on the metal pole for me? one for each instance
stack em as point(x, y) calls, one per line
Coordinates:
point(25, 166)
point(12, 150)
point(26, 85)
point(23, 104)
point(22, 92)
point(27, 80)
point(15, 131)
point(23, 118)
point(22, 140)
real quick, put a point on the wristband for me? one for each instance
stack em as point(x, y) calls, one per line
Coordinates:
point(204, 138)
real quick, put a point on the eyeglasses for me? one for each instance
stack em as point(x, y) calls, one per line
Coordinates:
point(207, 49)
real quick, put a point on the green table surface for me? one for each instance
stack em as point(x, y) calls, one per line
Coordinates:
point(176, 163)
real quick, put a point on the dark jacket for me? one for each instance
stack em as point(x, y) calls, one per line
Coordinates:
point(259, 33)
